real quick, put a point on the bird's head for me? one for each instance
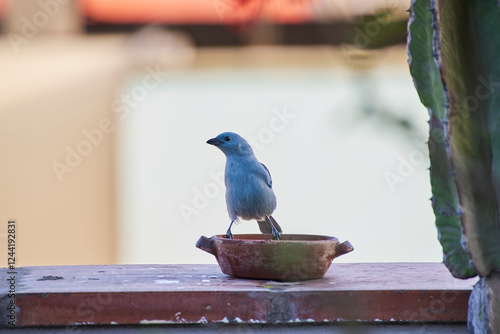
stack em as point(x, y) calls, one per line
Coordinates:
point(231, 143)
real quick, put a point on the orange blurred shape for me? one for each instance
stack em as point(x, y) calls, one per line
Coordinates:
point(196, 11)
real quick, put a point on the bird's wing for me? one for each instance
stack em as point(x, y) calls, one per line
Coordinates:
point(268, 174)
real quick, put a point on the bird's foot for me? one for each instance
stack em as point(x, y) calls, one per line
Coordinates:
point(228, 233)
point(276, 234)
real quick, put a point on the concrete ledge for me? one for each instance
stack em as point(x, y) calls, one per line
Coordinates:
point(394, 293)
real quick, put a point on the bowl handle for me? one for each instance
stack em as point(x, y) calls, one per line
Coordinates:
point(343, 248)
point(207, 244)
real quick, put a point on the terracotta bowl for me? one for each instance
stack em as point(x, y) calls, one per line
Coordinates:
point(295, 257)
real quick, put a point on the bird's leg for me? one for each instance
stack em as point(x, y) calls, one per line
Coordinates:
point(276, 234)
point(228, 233)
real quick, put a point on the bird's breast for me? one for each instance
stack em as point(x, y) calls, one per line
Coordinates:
point(248, 195)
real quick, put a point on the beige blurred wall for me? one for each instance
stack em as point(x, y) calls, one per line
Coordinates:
point(53, 91)
point(60, 105)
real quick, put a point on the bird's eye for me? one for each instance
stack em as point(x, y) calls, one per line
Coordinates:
point(227, 138)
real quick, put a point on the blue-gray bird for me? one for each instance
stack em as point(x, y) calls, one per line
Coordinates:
point(249, 187)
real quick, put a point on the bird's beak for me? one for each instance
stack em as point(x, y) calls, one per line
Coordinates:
point(213, 141)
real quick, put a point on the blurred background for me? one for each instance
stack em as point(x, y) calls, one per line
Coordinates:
point(106, 105)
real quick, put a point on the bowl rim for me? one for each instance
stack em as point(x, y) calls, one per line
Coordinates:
point(257, 240)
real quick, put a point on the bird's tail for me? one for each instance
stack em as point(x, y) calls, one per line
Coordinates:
point(265, 225)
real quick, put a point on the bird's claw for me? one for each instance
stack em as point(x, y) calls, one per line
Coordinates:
point(228, 233)
point(276, 235)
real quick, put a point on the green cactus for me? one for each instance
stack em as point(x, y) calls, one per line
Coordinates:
point(454, 58)
point(445, 203)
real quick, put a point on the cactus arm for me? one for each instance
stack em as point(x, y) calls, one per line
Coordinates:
point(430, 89)
point(468, 52)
